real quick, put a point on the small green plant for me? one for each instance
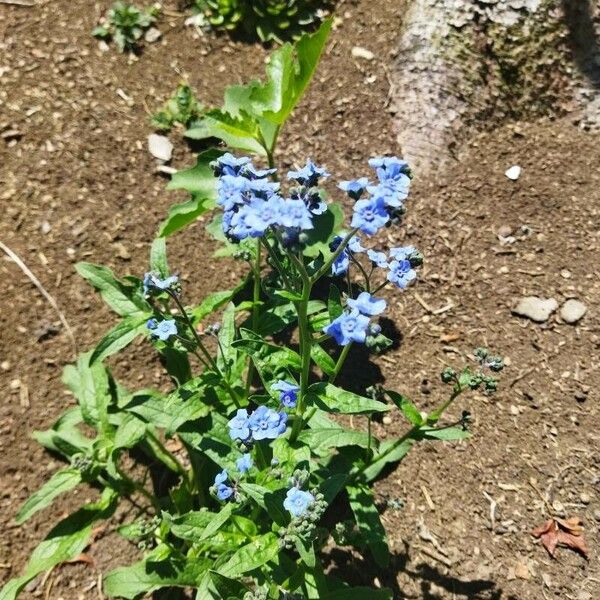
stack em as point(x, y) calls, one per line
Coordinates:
point(245, 447)
point(125, 24)
point(182, 108)
point(267, 19)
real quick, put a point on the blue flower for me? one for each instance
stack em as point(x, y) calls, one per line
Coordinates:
point(262, 214)
point(297, 502)
point(393, 193)
point(244, 463)
point(289, 393)
point(348, 327)
point(379, 258)
point(229, 164)
point(390, 168)
point(295, 215)
point(367, 305)
point(401, 273)
point(241, 226)
point(231, 191)
point(354, 245)
point(151, 283)
point(223, 490)
point(309, 175)
point(355, 187)
point(370, 215)
point(265, 423)
point(403, 253)
point(239, 427)
point(315, 204)
point(340, 264)
point(251, 172)
point(162, 330)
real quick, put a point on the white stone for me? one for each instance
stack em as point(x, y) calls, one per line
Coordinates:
point(536, 309)
point(513, 173)
point(359, 52)
point(572, 311)
point(160, 147)
point(152, 35)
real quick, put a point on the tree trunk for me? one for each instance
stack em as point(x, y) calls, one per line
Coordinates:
point(465, 65)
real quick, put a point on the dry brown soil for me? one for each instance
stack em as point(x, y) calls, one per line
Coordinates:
point(77, 183)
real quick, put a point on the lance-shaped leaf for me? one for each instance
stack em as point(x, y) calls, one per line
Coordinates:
point(201, 525)
point(61, 482)
point(120, 336)
point(158, 257)
point(369, 523)
point(333, 399)
point(124, 298)
point(65, 437)
point(251, 556)
point(320, 440)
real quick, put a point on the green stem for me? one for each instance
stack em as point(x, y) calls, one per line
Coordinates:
point(364, 273)
point(340, 362)
point(255, 310)
point(379, 287)
point(327, 266)
point(369, 435)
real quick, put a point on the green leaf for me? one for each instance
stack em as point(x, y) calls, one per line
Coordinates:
point(202, 184)
point(64, 437)
point(125, 300)
point(172, 412)
point(130, 431)
point(90, 385)
point(288, 74)
point(322, 359)
point(325, 227)
point(150, 575)
point(409, 410)
point(242, 132)
point(389, 453)
point(320, 440)
point(444, 433)
point(213, 302)
point(177, 364)
point(61, 482)
point(158, 257)
point(120, 336)
point(68, 539)
point(251, 556)
point(369, 523)
point(332, 399)
point(200, 525)
point(227, 351)
point(334, 303)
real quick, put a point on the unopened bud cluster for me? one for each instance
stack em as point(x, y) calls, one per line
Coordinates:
point(304, 527)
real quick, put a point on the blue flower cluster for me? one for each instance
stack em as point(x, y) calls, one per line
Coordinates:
point(162, 330)
point(224, 487)
point(264, 423)
point(342, 262)
point(252, 204)
point(353, 325)
point(385, 198)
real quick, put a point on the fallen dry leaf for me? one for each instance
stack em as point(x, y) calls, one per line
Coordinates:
point(562, 532)
point(82, 558)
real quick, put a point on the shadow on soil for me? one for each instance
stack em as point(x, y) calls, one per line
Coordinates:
point(583, 39)
point(357, 571)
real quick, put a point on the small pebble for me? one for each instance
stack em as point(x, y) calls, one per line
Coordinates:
point(359, 52)
point(572, 311)
point(513, 173)
point(536, 309)
point(5, 365)
point(387, 420)
point(585, 498)
point(160, 147)
point(152, 35)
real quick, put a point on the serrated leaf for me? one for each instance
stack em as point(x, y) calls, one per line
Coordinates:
point(60, 482)
point(120, 336)
point(125, 300)
point(332, 399)
point(251, 556)
point(368, 521)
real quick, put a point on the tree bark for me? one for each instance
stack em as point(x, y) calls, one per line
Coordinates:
point(465, 65)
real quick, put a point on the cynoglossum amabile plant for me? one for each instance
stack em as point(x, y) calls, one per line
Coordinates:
point(259, 455)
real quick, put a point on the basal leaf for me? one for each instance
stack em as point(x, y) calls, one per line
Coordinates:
point(62, 481)
point(369, 523)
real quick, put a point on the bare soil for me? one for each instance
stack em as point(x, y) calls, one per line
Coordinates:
point(77, 183)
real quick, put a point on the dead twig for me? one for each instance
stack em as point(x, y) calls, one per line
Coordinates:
point(42, 291)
